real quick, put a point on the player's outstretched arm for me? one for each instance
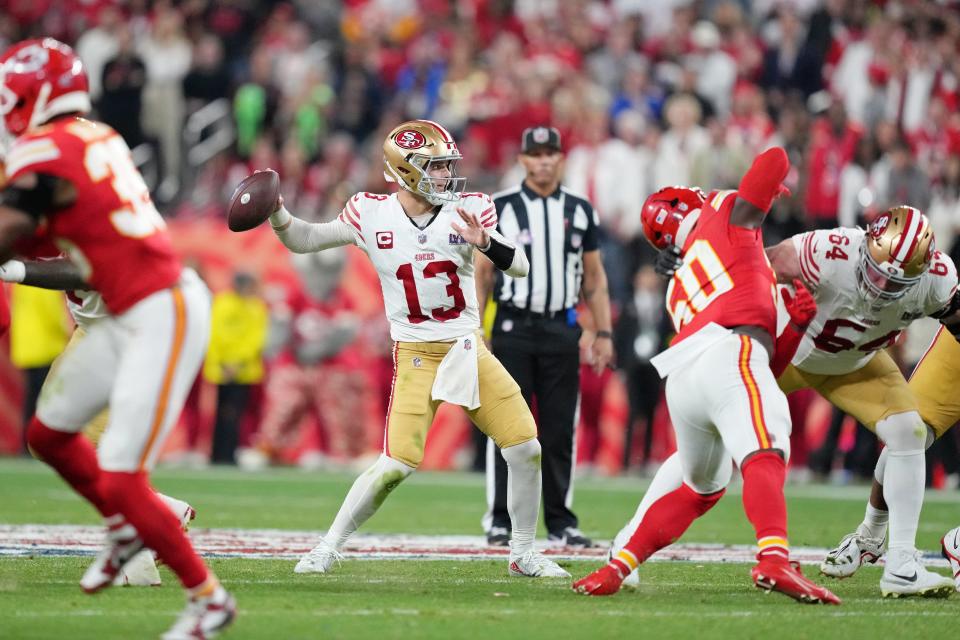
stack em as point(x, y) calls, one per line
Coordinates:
point(785, 261)
point(759, 187)
point(501, 253)
point(301, 236)
point(59, 274)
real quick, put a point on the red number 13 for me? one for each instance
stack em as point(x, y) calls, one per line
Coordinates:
point(432, 270)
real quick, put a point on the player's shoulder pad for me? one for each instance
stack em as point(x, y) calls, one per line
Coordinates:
point(942, 276)
point(824, 251)
point(352, 210)
point(31, 153)
point(481, 205)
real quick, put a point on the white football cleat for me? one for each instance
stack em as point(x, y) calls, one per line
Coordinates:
point(204, 617)
point(854, 550)
point(950, 547)
point(123, 544)
point(320, 559)
point(141, 571)
point(534, 564)
point(904, 576)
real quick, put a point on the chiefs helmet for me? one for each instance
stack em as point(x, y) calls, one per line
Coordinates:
point(40, 79)
point(895, 254)
point(664, 210)
point(412, 150)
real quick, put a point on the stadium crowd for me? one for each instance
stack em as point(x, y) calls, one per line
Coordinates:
point(863, 95)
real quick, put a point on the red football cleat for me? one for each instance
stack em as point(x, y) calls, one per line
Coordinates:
point(605, 581)
point(776, 574)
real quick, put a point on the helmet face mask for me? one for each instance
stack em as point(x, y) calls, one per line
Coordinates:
point(895, 254)
point(421, 156)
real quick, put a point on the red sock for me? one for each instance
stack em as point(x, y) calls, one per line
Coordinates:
point(664, 523)
point(159, 529)
point(73, 457)
point(763, 477)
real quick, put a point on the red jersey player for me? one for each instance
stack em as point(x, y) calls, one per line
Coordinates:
point(75, 179)
point(721, 392)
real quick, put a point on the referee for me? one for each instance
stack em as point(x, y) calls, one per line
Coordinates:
point(535, 333)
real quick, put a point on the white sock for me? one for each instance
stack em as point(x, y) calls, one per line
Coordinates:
point(668, 478)
point(178, 507)
point(903, 485)
point(874, 522)
point(523, 493)
point(365, 497)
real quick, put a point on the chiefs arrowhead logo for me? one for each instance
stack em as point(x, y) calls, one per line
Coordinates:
point(410, 139)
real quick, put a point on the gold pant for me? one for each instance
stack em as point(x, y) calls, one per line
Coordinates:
point(502, 415)
point(869, 394)
point(935, 383)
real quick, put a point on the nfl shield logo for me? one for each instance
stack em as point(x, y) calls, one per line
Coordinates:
point(467, 345)
point(422, 238)
point(417, 362)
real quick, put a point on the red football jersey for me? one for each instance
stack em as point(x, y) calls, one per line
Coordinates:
point(725, 278)
point(112, 232)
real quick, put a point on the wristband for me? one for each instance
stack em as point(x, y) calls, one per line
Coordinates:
point(604, 334)
point(13, 271)
point(280, 219)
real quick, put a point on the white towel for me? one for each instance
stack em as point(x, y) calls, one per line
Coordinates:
point(457, 380)
point(684, 352)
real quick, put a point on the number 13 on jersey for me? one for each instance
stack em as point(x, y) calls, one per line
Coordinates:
point(701, 280)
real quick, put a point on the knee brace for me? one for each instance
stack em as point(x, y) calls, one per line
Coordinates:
point(525, 453)
point(903, 433)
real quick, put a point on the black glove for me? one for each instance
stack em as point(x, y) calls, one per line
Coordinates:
point(668, 261)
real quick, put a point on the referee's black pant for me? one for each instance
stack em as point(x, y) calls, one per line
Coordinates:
point(542, 354)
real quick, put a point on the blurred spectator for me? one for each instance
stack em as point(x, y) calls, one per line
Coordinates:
point(255, 101)
point(857, 190)
point(716, 69)
point(234, 359)
point(682, 141)
point(99, 45)
point(207, 79)
point(39, 330)
point(721, 164)
point(317, 374)
point(642, 331)
point(905, 182)
point(944, 210)
point(791, 62)
point(166, 54)
point(124, 77)
point(832, 143)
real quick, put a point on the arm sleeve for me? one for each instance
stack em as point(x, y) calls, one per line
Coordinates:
point(506, 257)
point(306, 237)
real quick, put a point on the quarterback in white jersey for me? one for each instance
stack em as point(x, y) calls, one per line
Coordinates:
point(422, 241)
point(868, 286)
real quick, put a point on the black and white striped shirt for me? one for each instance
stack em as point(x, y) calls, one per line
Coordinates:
point(554, 232)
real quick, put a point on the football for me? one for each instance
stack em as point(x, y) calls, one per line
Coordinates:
point(254, 199)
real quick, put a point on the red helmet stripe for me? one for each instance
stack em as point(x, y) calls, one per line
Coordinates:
point(909, 236)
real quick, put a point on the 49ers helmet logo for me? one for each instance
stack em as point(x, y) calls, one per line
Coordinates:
point(880, 225)
point(410, 139)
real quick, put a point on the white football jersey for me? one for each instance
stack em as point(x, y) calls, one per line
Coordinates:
point(426, 274)
point(846, 333)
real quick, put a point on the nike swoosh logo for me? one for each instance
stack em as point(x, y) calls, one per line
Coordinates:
point(912, 578)
point(956, 539)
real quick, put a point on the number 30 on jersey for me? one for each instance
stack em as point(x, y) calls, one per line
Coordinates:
point(701, 280)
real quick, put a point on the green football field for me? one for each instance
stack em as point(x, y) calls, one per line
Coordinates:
point(39, 596)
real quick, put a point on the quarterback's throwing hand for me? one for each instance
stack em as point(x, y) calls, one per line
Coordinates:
point(801, 306)
point(473, 232)
point(668, 261)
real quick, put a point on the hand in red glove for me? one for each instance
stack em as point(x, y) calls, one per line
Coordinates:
point(801, 306)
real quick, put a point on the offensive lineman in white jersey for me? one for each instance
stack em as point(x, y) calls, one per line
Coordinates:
point(868, 286)
point(422, 242)
point(87, 307)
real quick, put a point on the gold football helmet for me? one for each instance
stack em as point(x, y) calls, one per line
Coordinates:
point(413, 151)
point(895, 254)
